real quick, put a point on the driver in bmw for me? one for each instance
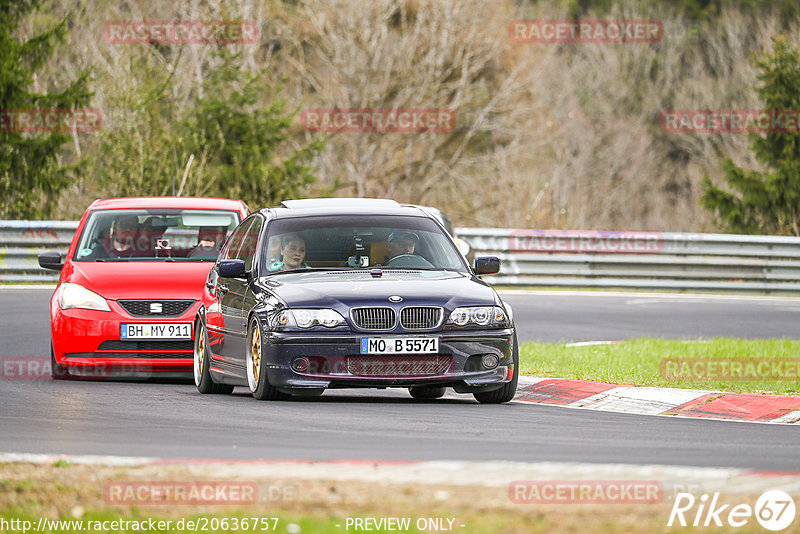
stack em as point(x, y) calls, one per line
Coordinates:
point(401, 242)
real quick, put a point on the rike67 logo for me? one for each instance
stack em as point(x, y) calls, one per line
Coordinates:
point(774, 510)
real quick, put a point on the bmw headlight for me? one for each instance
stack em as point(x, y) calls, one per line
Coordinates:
point(77, 296)
point(483, 316)
point(307, 318)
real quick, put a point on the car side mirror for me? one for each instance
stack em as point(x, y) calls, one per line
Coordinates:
point(50, 260)
point(232, 269)
point(487, 265)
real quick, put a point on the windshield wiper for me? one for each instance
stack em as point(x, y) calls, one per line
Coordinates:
point(401, 268)
point(311, 270)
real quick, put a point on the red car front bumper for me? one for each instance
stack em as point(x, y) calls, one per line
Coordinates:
point(87, 343)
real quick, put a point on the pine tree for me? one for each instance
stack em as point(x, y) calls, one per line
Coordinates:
point(765, 202)
point(245, 143)
point(30, 171)
point(231, 140)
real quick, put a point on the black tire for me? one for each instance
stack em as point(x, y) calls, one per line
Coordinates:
point(507, 392)
point(257, 379)
point(201, 367)
point(57, 371)
point(427, 392)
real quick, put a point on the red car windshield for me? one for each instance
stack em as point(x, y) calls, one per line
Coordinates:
point(155, 235)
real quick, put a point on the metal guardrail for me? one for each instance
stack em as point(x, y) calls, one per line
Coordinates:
point(22, 241)
point(540, 258)
point(641, 260)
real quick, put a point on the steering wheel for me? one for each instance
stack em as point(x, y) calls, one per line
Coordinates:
point(408, 260)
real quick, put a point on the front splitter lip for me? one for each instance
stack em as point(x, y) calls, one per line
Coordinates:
point(495, 376)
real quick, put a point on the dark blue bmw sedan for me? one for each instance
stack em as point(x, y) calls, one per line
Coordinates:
point(352, 293)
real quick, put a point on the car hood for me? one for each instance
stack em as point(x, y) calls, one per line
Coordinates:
point(348, 289)
point(141, 280)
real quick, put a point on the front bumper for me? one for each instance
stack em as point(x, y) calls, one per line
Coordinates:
point(334, 360)
point(87, 343)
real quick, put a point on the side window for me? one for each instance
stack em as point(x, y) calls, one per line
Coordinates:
point(235, 242)
point(250, 244)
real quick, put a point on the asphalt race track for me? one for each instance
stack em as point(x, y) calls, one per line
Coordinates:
point(548, 316)
point(565, 316)
point(174, 421)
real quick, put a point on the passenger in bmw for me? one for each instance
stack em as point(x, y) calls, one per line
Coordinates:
point(293, 254)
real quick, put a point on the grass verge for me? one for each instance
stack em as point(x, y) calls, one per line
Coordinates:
point(725, 364)
point(77, 493)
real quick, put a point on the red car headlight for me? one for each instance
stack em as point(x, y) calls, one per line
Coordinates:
point(76, 296)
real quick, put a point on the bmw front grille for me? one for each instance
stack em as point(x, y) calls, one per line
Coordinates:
point(374, 318)
point(420, 317)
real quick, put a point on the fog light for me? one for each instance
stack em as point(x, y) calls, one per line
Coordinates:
point(300, 365)
point(490, 361)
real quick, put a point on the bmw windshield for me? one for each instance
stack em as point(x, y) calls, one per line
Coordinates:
point(345, 242)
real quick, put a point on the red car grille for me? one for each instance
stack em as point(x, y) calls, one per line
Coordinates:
point(398, 366)
point(169, 308)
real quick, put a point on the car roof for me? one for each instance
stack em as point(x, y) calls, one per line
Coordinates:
point(311, 203)
point(168, 202)
point(438, 215)
point(343, 206)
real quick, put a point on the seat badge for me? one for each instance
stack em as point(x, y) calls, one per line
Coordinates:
point(155, 307)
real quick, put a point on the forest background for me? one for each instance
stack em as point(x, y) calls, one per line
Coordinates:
point(548, 135)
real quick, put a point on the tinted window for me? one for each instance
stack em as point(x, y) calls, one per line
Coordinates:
point(235, 243)
point(349, 241)
point(250, 243)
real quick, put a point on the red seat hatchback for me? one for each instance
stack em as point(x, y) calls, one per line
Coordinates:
point(132, 282)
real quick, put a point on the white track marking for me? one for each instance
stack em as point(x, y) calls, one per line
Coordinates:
point(640, 400)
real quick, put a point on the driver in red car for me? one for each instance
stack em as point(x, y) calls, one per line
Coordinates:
point(121, 242)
